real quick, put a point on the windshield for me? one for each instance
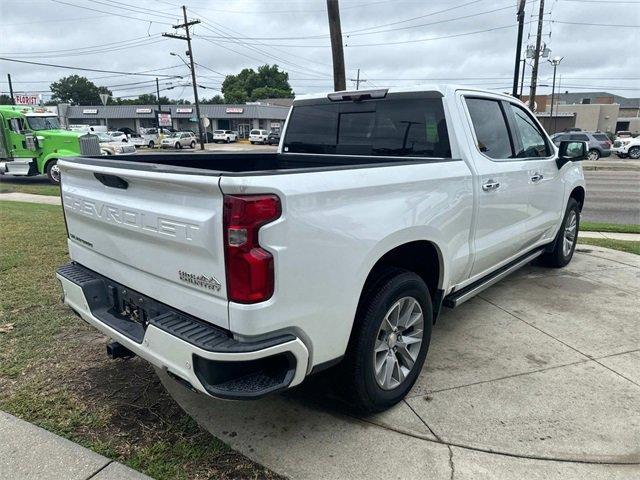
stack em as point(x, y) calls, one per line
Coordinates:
point(103, 137)
point(43, 123)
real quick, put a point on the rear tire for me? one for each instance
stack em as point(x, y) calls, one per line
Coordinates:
point(193, 145)
point(389, 342)
point(151, 144)
point(228, 140)
point(53, 172)
point(566, 239)
point(593, 154)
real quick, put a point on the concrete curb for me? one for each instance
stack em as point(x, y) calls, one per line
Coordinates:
point(28, 452)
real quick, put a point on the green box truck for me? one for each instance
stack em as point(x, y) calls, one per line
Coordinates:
point(32, 141)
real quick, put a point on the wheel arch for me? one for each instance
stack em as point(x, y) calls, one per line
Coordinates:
point(578, 193)
point(423, 257)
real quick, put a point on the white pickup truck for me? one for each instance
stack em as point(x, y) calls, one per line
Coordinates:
point(241, 274)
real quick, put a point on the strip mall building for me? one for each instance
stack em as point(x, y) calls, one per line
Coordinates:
point(241, 118)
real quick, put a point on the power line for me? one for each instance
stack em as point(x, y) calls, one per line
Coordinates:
point(110, 13)
point(596, 24)
point(80, 48)
point(85, 69)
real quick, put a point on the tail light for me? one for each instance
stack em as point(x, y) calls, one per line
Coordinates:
point(249, 268)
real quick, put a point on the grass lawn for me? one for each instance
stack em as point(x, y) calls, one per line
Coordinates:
point(622, 245)
point(54, 371)
point(608, 227)
point(37, 185)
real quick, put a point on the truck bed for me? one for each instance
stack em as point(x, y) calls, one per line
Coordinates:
point(241, 164)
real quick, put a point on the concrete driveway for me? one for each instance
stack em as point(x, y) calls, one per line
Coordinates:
point(539, 377)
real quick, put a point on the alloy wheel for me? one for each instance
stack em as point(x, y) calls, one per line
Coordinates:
point(55, 173)
point(398, 343)
point(570, 233)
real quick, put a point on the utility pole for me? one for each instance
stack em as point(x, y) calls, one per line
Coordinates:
point(524, 67)
point(13, 101)
point(357, 80)
point(555, 62)
point(187, 37)
point(516, 73)
point(536, 58)
point(335, 31)
point(159, 106)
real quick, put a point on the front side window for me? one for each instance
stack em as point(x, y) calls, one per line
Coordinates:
point(490, 126)
point(532, 141)
point(394, 127)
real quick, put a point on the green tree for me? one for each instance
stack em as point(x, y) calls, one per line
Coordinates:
point(215, 100)
point(77, 90)
point(5, 100)
point(249, 85)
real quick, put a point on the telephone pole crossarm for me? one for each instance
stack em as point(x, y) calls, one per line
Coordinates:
point(187, 37)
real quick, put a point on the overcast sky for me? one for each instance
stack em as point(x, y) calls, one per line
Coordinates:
point(393, 42)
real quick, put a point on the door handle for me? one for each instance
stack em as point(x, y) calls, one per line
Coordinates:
point(537, 177)
point(490, 185)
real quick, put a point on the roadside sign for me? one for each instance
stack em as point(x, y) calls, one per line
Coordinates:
point(26, 99)
point(104, 98)
point(164, 119)
point(205, 122)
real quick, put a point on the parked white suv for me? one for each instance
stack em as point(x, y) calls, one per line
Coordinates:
point(241, 274)
point(625, 147)
point(258, 136)
point(226, 136)
point(179, 140)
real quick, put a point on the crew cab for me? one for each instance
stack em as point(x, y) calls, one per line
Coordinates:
point(241, 274)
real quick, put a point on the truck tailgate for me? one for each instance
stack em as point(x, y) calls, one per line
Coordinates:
point(160, 234)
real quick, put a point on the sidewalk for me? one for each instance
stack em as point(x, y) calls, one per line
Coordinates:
point(30, 198)
point(28, 452)
point(630, 237)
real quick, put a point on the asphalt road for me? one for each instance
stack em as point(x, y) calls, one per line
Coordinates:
point(612, 197)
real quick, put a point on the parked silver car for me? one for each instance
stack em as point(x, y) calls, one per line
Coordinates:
point(179, 140)
point(599, 143)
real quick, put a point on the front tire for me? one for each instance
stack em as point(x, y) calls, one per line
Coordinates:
point(634, 153)
point(178, 146)
point(151, 144)
point(566, 239)
point(53, 172)
point(389, 343)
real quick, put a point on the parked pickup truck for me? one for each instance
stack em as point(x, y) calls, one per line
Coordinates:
point(241, 274)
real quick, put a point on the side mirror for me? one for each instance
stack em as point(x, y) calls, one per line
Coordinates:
point(571, 151)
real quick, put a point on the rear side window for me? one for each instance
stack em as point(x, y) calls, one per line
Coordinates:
point(532, 141)
point(601, 137)
point(401, 127)
point(579, 137)
point(490, 126)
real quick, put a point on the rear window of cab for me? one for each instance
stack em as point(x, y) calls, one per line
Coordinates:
point(402, 127)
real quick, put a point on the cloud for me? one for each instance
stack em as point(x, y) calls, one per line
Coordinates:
point(596, 57)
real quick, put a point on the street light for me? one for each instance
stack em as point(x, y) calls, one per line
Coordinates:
point(555, 61)
point(180, 57)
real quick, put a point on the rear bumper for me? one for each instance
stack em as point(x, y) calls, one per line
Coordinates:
point(206, 357)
